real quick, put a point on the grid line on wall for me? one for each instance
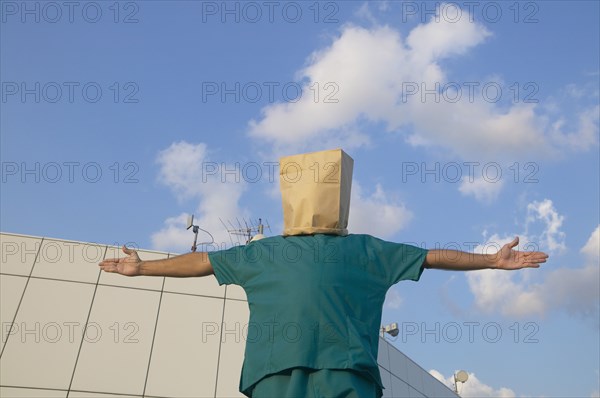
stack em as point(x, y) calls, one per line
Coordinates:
point(86, 325)
point(22, 295)
point(220, 341)
point(154, 333)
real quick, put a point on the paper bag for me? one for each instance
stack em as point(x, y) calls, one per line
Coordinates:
point(315, 191)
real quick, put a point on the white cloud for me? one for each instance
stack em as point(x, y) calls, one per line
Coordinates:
point(174, 235)
point(187, 169)
point(574, 290)
point(368, 67)
point(574, 91)
point(370, 72)
point(365, 12)
point(354, 64)
point(377, 214)
point(592, 247)
point(483, 190)
point(181, 168)
point(441, 38)
point(393, 299)
point(473, 387)
point(552, 237)
point(584, 137)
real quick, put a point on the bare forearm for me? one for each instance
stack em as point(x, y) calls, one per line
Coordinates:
point(185, 265)
point(459, 261)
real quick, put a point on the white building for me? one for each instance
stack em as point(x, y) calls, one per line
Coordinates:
point(144, 336)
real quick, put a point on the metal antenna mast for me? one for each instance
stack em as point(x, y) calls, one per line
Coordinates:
point(247, 231)
point(195, 229)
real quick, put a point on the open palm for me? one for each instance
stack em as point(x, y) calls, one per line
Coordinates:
point(129, 265)
point(510, 259)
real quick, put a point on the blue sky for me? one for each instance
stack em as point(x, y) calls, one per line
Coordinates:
point(469, 123)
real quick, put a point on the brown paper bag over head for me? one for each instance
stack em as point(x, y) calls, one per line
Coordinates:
point(315, 191)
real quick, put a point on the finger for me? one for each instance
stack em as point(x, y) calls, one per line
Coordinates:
point(109, 261)
point(537, 256)
point(529, 255)
point(128, 251)
point(535, 261)
point(514, 242)
point(537, 253)
point(109, 268)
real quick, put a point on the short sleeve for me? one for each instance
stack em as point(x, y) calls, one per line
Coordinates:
point(400, 261)
point(235, 266)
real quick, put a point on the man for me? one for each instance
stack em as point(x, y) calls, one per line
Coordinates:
point(316, 293)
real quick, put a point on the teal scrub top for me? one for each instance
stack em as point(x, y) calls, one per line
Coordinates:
point(315, 300)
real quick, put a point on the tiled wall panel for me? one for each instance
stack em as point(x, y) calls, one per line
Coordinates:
point(71, 261)
point(50, 323)
point(11, 291)
point(233, 340)
point(116, 351)
point(386, 379)
point(18, 253)
point(207, 286)
point(186, 347)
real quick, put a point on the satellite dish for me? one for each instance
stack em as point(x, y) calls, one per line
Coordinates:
point(462, 376)
point(190, 221)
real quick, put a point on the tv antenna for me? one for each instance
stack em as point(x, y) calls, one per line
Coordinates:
point(195, 229)
point(250, 231)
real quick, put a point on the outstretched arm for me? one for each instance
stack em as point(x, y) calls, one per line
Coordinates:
point(506, 258)
point(185, 265)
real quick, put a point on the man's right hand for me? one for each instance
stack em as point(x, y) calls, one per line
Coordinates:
point(129, 265)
